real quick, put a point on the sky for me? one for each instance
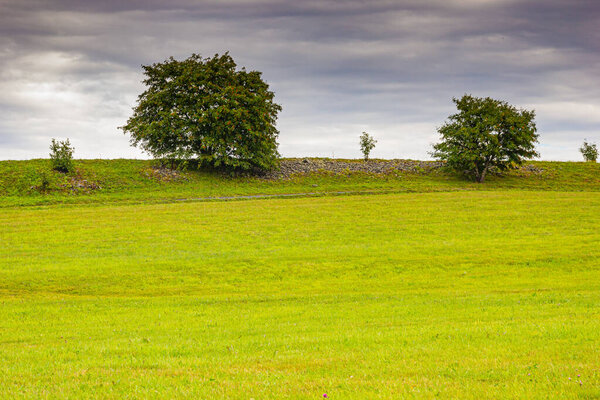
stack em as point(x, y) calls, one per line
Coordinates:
point(72, 69)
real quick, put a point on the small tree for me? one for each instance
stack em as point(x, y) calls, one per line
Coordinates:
point(367, 143)
point(207, 109)
point(589, 151)
point(486, 134)
point(61, 155)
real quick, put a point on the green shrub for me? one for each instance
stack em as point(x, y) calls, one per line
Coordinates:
point(44, 181)
point(61, 154)
point(367, 143)
point(589, 151)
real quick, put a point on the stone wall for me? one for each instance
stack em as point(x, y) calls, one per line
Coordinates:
point(294, 166)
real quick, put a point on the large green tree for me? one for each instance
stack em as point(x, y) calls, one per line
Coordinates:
point(486, 134)
point(206, 109)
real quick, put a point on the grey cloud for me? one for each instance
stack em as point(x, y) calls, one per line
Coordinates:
point(338, 68)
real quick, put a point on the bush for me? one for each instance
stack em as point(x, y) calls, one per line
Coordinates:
point(589, 151)
point(209, 110)
point(367, 143)
point(61, 154)
point(486, 134)
point(44, 180)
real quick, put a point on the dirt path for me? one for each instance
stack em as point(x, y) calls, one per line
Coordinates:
point(283, 195)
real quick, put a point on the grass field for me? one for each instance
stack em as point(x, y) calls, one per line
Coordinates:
point(458, 294)
point(132, 181)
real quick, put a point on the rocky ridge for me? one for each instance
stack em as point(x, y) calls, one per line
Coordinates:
point(301, 166)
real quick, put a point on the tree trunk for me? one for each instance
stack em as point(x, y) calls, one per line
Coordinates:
point(481, 176)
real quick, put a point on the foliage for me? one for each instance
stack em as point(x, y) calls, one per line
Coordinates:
point(61, 154)
point(44, 181)
point(486, 134)
point(207, 109)
point(589, 151)
point(367, 143)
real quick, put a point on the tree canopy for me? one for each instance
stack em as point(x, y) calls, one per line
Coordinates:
point(486, 134)
point(367, 143)
point(206, 109)
point(589, 151)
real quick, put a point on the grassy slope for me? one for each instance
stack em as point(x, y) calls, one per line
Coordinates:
point(486, 294)
point(127, 181)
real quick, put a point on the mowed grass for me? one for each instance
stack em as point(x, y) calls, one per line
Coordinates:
point(427, 295)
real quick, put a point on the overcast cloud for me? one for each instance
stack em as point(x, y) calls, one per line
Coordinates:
point(72, 68)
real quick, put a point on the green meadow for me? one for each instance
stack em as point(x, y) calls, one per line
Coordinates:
point(133, 181)
point(408, 286)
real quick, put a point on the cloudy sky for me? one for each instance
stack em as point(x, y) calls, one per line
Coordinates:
point(71, 69)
